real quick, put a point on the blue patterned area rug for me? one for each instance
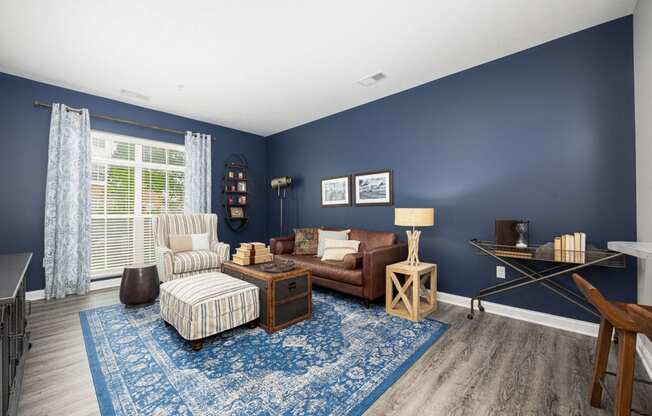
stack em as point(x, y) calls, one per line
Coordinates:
point(337, 363)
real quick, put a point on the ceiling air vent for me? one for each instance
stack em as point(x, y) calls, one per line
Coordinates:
point(134, 95)
point(372, 79)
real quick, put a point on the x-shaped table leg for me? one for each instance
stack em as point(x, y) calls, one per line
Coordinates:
point(402, 292)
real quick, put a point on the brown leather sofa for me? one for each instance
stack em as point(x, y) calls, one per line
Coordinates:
point(361, 274)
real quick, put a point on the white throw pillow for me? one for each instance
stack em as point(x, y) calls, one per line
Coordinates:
point(330, 235)
point(200, 242)
point(337, 249)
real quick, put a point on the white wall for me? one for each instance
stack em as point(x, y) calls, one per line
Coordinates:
point(643, 92)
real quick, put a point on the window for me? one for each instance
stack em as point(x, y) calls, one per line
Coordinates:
point(132, 181)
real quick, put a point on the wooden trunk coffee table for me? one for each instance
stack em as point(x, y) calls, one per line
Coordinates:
point(285, 298)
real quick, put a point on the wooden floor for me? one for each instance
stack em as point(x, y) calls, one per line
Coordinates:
point(489, 366)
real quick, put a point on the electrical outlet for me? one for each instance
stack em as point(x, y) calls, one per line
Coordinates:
point(500, 272)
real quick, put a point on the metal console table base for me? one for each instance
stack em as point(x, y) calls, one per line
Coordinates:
point(529, 276)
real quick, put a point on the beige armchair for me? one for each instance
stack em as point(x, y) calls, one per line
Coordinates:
point(187, 263)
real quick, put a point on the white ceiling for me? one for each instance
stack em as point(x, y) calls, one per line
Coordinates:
point(265, 66)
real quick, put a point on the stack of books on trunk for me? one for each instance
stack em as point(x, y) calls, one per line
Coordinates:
point(570, 248)
point(252, 253)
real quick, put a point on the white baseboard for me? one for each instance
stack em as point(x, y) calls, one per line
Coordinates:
point(644, 347)
point(107, 283)
point(541, 318)
point(33, 295)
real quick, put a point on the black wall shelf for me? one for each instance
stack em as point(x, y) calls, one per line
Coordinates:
point(237, 165)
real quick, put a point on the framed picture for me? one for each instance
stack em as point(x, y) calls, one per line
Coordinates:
point(374, 188)
point(236, 212)
point(231, 174)
point(336, 191)
point(242, 200)
point(242, 186)
point(240, 175)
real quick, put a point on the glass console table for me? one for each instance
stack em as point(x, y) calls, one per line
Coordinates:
point(556, 263)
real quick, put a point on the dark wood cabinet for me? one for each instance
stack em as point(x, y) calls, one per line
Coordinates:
point(14, 331)
point(285, 298)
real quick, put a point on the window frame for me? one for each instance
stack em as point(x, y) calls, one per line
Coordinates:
point(138, 166)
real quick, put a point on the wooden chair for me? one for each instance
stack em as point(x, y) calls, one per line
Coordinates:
point(642, 315)
point(614, 316)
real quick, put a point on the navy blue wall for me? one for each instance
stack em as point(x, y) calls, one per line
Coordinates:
point(23, 161)
point(546, 134)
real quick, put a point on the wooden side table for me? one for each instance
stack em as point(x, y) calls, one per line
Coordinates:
point(416, 290)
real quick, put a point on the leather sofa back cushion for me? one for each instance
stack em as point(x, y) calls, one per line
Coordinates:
point(370, 240)
point(283, 247)
point(306, 241)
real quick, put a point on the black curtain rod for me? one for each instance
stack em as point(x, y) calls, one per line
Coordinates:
point(38, 103)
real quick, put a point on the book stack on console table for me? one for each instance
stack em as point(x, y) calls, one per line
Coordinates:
point(570, 248)
point(252, 253)
point(514, 253)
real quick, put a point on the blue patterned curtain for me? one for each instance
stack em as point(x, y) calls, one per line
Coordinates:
point(67, 204)
point(197, 175)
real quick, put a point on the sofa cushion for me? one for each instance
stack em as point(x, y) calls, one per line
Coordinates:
point(305, 241)
point(334, 270)
point(189, 261)
point(353, 261)
point(283, 247)
point(370, 240)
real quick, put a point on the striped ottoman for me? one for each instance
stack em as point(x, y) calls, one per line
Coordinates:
point(207, 304)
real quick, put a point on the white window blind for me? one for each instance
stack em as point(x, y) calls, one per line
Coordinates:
point(132, 181)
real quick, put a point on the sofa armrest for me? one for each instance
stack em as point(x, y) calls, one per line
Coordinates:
point(223, 250)
point(373, 267)
point(282, 245)
point(164, 263)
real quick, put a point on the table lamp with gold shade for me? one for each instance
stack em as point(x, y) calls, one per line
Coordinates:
point(414, 217)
